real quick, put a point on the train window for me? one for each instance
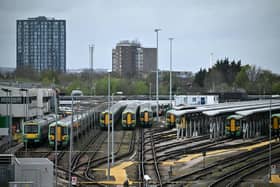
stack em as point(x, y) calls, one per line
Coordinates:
point(102, 117)
point(52, 130)
point(237, 122)
point(124, 116)
point(64, 130)
point(133, 117)
point(30, 129)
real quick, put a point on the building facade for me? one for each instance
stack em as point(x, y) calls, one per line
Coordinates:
point(130, 59)
point(41, 44)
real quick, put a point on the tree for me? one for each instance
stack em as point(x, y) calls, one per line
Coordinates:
point(200, 77)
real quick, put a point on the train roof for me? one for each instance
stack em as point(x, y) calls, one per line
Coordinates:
point(258, 110)
point(132, 107)
point(67, 120)
point(145, 107)
point(234, 109)
point(215, 109)
point(235, 116)
point(117, 106)
point(276, 115)
point(40, 120)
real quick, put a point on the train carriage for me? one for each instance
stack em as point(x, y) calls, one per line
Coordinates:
point(130, 116)
point(233, 126)
point(36, 131)
point(146, 115)
point(60, 131)
point(115, 110)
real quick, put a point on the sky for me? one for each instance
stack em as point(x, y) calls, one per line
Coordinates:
point(248, 30)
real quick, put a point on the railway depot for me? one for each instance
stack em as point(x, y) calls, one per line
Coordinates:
point(100, 142)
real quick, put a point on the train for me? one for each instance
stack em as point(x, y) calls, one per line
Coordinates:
point(146, 115)
point(170, 119)
point(275, 126)
point(115, 110)
point(170, 116)
point(81, 124)
point(233, 126)
point(36, 131)
point(130, 116)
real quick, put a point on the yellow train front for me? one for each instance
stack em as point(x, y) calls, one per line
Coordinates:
point(170, 120)
point(233, 126)
point(115, 113)
point(36, 131)
point(104, 120)
point(130, 116)
point(146, 115)
point(60, 132)
point(275, 126)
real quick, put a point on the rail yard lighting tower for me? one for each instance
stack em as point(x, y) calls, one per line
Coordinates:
point(71, 142)
point(270, 102)
point(9, 94)
point(170, 73)
point(157, 30)
point(113, 139)
point(56, 161)
point(25, 111)
point(109, 117)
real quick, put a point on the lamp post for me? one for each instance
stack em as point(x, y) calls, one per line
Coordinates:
point(9, 94)
point(109, 114)
point(157, 30)
point(71, 141)
point(270, 102)
point(170, 73)
point(113, 139)
point(25, 111)
point(56, 161)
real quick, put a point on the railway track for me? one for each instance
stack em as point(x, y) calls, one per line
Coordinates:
point(249, 159)
point(96, 161)
point(149, 169)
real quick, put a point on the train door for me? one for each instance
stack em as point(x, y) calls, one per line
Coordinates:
point(106, 120)
point(232, 125)
point(275, 123)
point(146, 117)
point(58, 133)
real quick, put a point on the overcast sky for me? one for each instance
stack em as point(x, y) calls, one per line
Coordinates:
point(239, 29)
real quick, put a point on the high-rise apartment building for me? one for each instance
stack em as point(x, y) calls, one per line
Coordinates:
point(41, 44)
point(130, 59)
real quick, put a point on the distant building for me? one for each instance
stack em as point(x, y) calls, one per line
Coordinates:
point(41, 44)
point(130, 59)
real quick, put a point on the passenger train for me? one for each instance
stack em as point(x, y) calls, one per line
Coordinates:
point(36, 131)
point(81, 123)
point(115, 110)
point(275, 120)
point(130, 116)
point(233, 126)
point(146, 115)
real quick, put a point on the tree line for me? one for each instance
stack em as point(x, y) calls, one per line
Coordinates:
point(224, 76)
